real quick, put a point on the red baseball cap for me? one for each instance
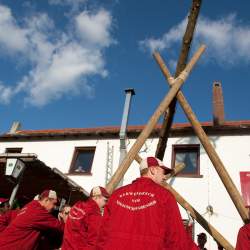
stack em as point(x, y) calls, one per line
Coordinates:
point(48, 194)
point(154, 162)
point(99, 191)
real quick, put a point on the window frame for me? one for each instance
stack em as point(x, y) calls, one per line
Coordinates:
point(187, 148)
point(78, 150)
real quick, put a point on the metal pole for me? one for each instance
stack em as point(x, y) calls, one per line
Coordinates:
point(15, 189)
point(123, 148)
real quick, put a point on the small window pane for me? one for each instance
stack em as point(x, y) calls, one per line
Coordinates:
point(82, 160)
point(189, 158)
point(188, 154)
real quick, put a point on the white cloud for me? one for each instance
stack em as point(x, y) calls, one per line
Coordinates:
point(61, 63)
point(65, 73)
point(73, 3)
point(94, 28)
point(66, 2)
point(227, 40)
point(5, 94)
point(12, 37)
point(167, 40)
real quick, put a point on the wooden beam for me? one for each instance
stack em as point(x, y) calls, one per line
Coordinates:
point(123, 167)
point(186, 43)
point(200, 219)
point(213, 156)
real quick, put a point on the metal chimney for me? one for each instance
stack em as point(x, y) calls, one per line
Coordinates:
point(123, 129)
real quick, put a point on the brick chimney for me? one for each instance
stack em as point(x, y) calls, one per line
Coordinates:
point(218, 104)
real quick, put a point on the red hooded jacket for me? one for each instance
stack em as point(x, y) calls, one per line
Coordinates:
point(7, 218)
point(243, 239)
point(82, 226)
point(143, 216)
point(25, 230)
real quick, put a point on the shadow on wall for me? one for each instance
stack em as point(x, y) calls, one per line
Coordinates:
point(195, 140)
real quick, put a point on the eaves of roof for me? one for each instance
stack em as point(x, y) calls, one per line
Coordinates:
point(178, 129)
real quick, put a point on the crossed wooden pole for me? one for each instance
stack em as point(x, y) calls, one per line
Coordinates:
point(133, 152)
point(213, 156)
point(183, 58)
point(123, 167)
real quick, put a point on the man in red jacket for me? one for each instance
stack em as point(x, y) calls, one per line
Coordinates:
point(144, 215)
point(243, 239)
point(25, 230)
point(82, 226)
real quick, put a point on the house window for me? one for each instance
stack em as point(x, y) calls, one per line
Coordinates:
point(13, 150)
point(188, 154)
point(245, 187)
point(82, 160)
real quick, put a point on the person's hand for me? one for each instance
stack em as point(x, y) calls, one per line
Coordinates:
point(63, 215)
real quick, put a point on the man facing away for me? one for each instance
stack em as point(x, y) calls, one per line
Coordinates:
point(83, 223)
point(25, 230)
point(144, 215)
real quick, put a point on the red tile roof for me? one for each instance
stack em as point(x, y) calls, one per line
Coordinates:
point(114, 130)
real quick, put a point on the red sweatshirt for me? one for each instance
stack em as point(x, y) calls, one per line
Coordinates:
point(82, 226)
point(25, 230)
point(243, 239)
point(143, 216)
point(7, 218)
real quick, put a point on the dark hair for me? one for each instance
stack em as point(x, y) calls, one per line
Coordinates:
point(144, 171)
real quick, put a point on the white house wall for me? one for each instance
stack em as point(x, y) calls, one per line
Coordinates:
point(234, 152)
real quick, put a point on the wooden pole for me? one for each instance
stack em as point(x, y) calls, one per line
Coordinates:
point(186, 43)
point(218, 165)
point(200, 219)
point(195, 214)
point(177, 169)
point(123, 167)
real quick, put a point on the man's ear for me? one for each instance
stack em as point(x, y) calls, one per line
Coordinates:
point(152, 171)
point(46, 199)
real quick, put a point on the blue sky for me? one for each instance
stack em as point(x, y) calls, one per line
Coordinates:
point(66, 63)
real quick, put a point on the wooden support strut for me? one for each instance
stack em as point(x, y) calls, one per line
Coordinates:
point(186, 43)
point(195, 214)
point(213, 156)
point(123, 167)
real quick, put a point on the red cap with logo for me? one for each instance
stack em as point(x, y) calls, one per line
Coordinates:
point(154, 162)
point(48, 194)
point(99, 191)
